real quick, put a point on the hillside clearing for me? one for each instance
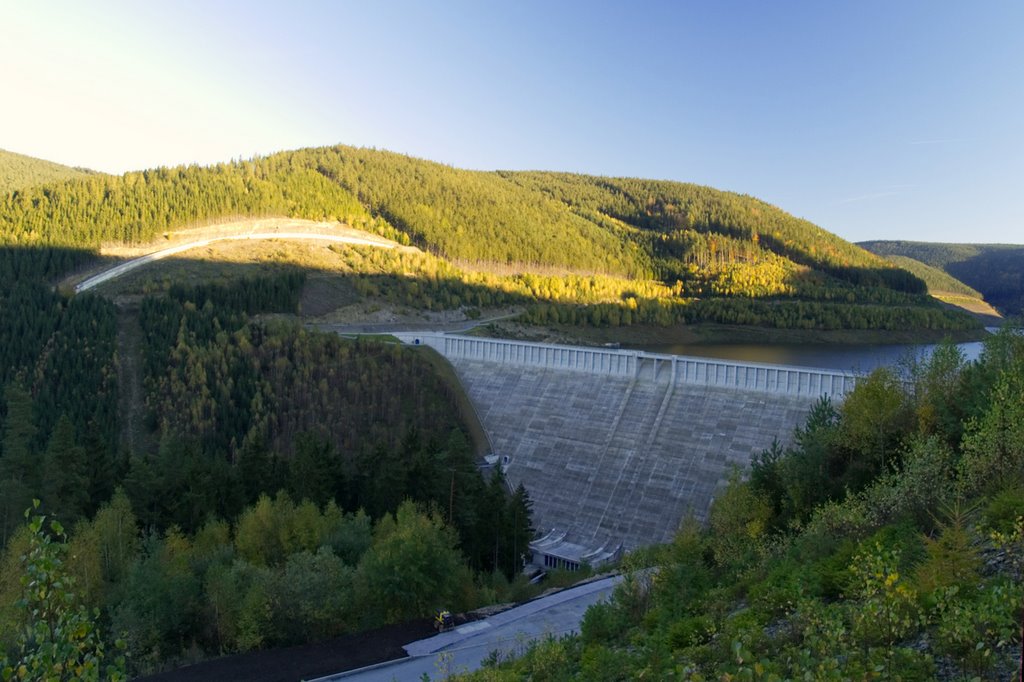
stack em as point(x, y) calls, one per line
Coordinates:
point(246, 232)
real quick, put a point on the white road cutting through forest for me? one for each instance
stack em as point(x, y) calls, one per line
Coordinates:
point(128, 266)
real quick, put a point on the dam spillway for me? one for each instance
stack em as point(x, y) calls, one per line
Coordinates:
point(616, 447)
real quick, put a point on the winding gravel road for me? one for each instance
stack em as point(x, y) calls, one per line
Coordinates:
point(128, 266)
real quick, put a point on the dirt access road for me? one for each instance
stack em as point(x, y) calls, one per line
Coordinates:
point(268, 228)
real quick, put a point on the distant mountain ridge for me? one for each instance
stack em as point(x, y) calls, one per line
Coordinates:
point(994, 270)
point(18, 171)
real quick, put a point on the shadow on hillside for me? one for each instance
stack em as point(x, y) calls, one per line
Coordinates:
point(45, 263)
point(304, 661)
point(998, 274)
point(890, 278)
point(547, 300)
point(325, 289)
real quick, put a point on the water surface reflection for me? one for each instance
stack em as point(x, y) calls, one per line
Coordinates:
point(853, 357)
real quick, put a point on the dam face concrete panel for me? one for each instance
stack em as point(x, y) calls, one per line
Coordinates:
point(619, 446)
point(620, 460)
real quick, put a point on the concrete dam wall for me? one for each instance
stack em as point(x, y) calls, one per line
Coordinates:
point(616, 447)
point(634, 364)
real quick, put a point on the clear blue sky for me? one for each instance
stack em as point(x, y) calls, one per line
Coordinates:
point(874, 119)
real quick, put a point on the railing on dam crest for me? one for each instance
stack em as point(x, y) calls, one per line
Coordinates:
point(641, 365)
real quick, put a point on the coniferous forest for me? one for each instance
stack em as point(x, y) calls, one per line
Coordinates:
point(18, 171)
point(215, 478)
point(287, 470)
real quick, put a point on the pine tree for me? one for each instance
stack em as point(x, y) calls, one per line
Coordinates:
point(65, 481)
point(14, 498)
point(255, 469)
point(19, 431)
point(520, 522)
point(18, 475)
point(102, 470)
point(314, 469)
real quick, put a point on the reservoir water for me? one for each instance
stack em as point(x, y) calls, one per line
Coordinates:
point(852, 357)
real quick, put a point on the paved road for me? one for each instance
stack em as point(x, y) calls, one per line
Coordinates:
point(464, 648)
point(128, 266)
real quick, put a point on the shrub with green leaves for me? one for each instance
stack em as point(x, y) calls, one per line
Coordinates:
point(1005, 508)
point(972, 628)
point(58, 638)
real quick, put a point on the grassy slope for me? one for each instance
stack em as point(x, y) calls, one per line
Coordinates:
point(18, 171)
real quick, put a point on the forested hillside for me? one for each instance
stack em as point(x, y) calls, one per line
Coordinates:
point(40, 226)
point(887, 543)
point(995, 270)
point(689, 243)
point(287, 476)
point(939, 281)
point(427, 282)
point(475, 216)
point(691, 230)
point(948, 289)
point(18, 171)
